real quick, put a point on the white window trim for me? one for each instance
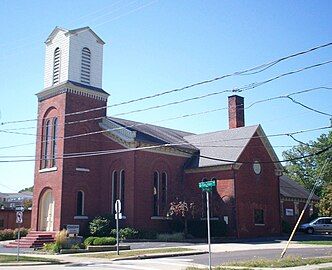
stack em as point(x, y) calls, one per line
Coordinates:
point(113, 192)
point(160, 218)
point(52, 169)
point(79, 169)
point(81, 217)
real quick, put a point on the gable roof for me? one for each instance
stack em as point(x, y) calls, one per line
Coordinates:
point(291, 189)
point(72, 32)
point(154, 134)
point(226, 144)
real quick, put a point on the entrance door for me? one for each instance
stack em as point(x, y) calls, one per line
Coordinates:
point(46, 211)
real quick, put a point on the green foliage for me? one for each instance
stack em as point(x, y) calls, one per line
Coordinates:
point(197, 228)
point(52, 247)
point(23, 232)
point(88, 241)
point(325, 203)
point(101, 241)
point(101, 226)
point(307, 170)
point(125, 233)
point(26, 189)
point(6, 234)
point(170, 237)
point(147, 235)
point(286, 227)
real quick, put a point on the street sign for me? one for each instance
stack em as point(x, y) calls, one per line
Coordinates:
point(19, 217)
point(117, 206)
point(207, 186)
point(19, 208)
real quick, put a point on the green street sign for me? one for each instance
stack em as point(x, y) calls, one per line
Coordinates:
point(207, 186)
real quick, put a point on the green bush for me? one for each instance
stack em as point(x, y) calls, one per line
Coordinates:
point(125, 233)
point(101, 241)
point(197, 228)
point(6, 234)
point(170, 237)
point(89, 241)
point(147, 235)
point(23, 232)
point(52, 247)
point(286, 227)
point(101, 226)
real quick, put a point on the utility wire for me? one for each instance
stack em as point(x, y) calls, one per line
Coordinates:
point(263, 67)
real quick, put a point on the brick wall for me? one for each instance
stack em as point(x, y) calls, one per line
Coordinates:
point(8, 217)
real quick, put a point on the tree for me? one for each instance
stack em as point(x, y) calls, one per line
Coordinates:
point(306, 171)
point(26, 189)
point(325, 203)
point(181, 211)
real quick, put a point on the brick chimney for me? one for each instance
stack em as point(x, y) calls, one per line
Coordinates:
point(235, 111)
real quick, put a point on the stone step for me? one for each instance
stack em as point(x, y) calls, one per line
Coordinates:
point(33, 239)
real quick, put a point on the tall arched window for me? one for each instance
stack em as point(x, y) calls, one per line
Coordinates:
point(156, 193)
point(54, 141)
point(122, 190)
point(56, 66)
point(163, 201)
point(46, 142)
point(80, 203)
point(114, 189)
point(85, 65)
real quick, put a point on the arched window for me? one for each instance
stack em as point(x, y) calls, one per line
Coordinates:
point(46, 141)
point(156, 193)
point(56, 66)
point(114, 189)
point(85, 65)
point(54, 141)
point(122, 190)
point(163, 202)
point(80, 203)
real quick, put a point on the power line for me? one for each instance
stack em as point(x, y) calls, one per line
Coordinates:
point(103, 152)
point(261, 67)
point(107, 152)
point(158, 121)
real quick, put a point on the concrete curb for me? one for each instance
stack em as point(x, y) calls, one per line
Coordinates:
point(160, 255)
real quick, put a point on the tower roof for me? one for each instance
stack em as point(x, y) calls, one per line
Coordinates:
point(72, 32)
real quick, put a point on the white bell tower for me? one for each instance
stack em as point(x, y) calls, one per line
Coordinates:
point(74, 56)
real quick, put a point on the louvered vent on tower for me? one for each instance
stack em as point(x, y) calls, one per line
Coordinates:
point(85, 67)
point(56, 66)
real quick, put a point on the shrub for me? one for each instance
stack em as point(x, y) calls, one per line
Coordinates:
point(52, 247)
point(89, 241)
point(125, 233)
point(101, 226)
point(197, 228)
point(23, 232)
point(147, 235)
point(61, 238)
point(6, 234)
point(166, 237)
point(101, 241)
point(286, 227)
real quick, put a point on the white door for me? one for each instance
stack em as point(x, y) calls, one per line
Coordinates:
point(46, 216)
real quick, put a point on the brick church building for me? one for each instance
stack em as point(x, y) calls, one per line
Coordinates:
point(86, 160)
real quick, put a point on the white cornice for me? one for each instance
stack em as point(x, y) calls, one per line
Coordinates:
point(225, 167)
point(68, 87)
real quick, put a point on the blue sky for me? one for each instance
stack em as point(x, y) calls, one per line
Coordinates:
point(153, 46)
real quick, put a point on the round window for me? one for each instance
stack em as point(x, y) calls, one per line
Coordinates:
point(257, 167)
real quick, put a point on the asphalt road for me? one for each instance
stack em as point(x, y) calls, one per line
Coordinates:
point(225, 257)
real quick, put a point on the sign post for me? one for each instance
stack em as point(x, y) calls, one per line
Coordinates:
point(117, 217)
point(207, 187)
point(19, 220)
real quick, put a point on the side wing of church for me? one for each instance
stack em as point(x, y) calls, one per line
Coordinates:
point(86, 161)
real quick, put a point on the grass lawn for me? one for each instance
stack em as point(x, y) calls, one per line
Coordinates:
point(285, 262)
point(140, 252)
point(317, 242)
point(12, 259)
